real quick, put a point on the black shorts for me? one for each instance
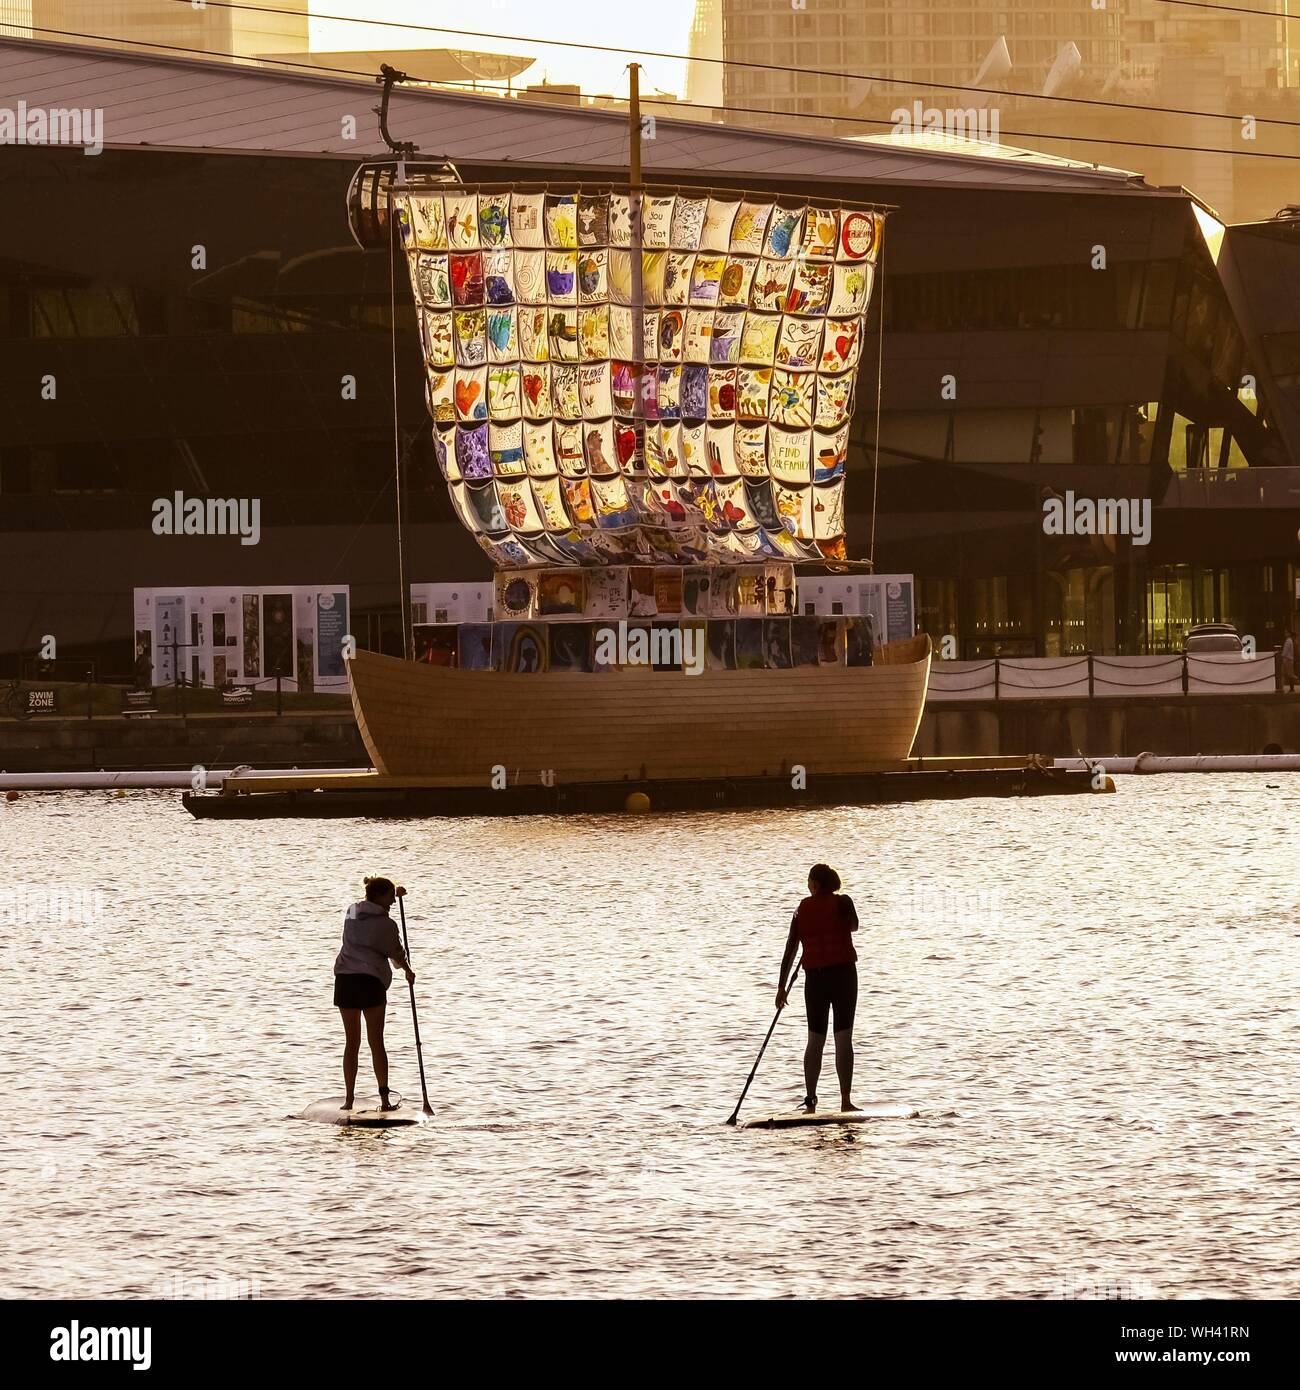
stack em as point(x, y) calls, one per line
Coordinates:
point(359, 991)
point(827, 987)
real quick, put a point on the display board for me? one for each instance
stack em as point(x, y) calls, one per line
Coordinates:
point(693, 644)
point(888, 599)
point(470, 602)
point(222, 635)
point(680, 392)
point(621, 591)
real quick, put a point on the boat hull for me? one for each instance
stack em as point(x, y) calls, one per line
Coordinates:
point(465, 728)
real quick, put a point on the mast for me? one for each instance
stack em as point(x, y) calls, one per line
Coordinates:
point(638, 292)
point(404, 596)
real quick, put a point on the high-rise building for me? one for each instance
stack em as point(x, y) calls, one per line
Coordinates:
point(137, 25)
point(857, 62)
point(1244, 65)
point(16, 18)
point(704, 80)
point(1257, 49)
point(918, 50)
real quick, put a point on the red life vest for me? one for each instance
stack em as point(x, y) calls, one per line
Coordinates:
point(824, 931)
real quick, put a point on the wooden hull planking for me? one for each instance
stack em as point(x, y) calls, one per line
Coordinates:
point(457, 726)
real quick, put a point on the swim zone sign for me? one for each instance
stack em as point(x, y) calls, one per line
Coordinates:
point(42, 702)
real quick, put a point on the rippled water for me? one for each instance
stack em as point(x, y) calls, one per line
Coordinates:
point(1092, 1002)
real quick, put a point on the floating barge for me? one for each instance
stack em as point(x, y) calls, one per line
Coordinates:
point(327, 795)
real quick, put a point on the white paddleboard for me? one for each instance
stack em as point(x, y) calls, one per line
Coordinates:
point(879, 1110)
point(367, 1115)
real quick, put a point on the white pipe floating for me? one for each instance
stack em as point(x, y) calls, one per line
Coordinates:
point(1199, 762)
point(141, 780)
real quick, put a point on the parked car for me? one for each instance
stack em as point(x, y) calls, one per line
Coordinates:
point(1211, 637)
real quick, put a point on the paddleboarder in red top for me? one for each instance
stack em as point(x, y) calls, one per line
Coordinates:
point(823, 925)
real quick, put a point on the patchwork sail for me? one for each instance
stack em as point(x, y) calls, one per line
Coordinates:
point(676, 393)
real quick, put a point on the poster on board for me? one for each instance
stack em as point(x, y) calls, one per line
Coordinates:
point(170, 638)
point(331, 630)
point(468, 602)
point(888, 599)
point(219, 636)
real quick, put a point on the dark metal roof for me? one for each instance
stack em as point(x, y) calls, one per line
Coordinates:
point(1279, 228)
point(170, 102)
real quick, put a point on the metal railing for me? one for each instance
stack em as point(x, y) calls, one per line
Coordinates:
point(1233, 487)
point(1090, 675)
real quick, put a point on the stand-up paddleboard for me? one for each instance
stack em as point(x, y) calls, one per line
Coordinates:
point(881, 1110)
point(368, 1115)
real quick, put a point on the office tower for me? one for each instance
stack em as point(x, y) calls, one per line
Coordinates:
point(704, 81)
point(137, 25)
point(917, 50)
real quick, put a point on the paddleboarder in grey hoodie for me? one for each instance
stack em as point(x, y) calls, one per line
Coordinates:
point(361, 979)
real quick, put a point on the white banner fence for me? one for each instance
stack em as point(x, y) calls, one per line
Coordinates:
point(1079, 677)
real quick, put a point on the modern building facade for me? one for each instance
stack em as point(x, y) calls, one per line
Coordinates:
point(1138, 66)
point(922, 50)
point(1259, 51)
point(705, 84)
point(16, 18)
point(139, 24)
point(187, 312)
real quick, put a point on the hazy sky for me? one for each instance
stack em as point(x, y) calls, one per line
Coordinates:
point(662, 24)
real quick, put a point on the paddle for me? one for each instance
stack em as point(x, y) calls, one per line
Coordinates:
point(732, 1119)
point(415, 1018)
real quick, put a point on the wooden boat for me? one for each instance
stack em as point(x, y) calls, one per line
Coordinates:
point(458, 726)
point(634, 403)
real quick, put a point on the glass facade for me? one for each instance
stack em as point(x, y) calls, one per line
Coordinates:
point(1252, 597)
point(219, 332)
point(1115, 385)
